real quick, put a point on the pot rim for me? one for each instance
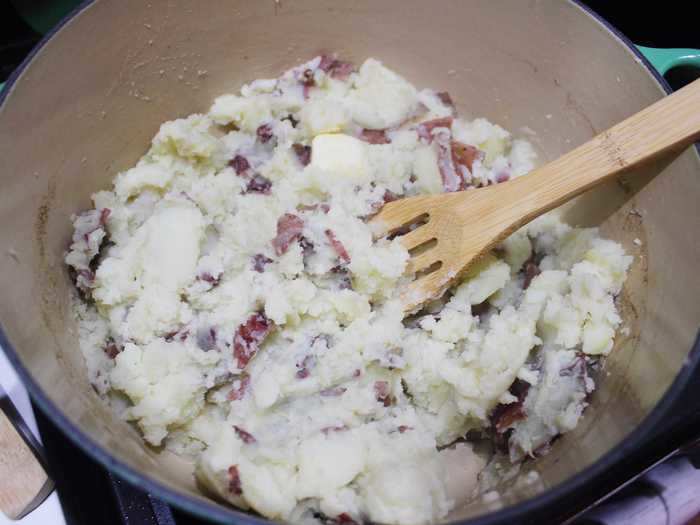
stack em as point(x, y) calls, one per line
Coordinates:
point(538, 505)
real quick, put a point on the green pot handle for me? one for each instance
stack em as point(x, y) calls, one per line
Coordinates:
point(665, 59)
point(44, 15)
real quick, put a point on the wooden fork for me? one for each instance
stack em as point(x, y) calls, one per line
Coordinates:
point(463, 226)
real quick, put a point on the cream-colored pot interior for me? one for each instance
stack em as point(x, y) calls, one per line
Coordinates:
point(91, 99)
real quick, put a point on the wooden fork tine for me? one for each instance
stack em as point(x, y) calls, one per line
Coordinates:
point(394, 215)
point(415, 293)
point(420, 235)
point(422, 261)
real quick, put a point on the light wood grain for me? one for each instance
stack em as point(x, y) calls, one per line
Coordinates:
point(23, 481)
point(467, 224)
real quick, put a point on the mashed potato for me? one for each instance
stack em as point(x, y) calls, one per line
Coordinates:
point(231, 290)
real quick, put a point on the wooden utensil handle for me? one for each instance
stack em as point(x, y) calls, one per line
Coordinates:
point(672, 122)
point(24, 483)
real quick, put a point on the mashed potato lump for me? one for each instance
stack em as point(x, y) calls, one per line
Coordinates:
point(234, 305)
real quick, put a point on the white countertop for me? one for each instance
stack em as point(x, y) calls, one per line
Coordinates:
point(49, 512)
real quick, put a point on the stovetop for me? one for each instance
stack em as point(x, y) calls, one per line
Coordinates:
point(91, 495)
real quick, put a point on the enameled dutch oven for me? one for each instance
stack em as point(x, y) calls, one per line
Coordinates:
point(85, 105)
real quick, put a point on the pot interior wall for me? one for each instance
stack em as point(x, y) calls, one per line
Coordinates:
point(93, 97)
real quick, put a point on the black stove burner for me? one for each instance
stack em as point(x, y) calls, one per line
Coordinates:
point(91, 495)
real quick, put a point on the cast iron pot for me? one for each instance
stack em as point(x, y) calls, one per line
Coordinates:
point(88, 101)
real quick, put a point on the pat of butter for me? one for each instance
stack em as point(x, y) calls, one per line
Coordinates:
point(341, 156)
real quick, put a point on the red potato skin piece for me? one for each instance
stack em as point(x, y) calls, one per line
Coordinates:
point(451, 153)
point(181, 334)
point(579, 369)
point(425, 129)
point(307, 78)
point(259, 184)
point(289, 229)
point(382, 393)
point(239, 164)
point(112, 350)
point(464, 154)
point(260, 261)
point(502, 177)
point(344, 276)
point(245, 436)
point(333, 392)
point(264, 133)
point(304, 368)
point(504, 416)
point(446, 99)
point(303, 153)
point(84, 278)
point(249, 336)
point(307, 91)
point(234, 481)
point(451, 180)
point(530, 270)
point(336, 428)
point(307, 81)
point(104, 215)
point(342, 70)
point(326, 63)
point(209, 278)
point(338, 69)
point(240, 392)
point(256, 183)
point(341, 519)
point(338, 246)
point(345, 519)
point(390, 196)
point(333, 67)
point(375, 136)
